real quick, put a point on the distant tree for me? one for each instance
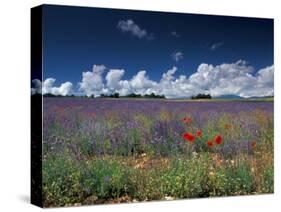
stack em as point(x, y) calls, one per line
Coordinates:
point(133, 95)
point(116, 95)
point(51, 95)
point(153, 95)
point(202, 96)
point(92, 96)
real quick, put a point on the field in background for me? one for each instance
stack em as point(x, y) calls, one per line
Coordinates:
point(125, 150)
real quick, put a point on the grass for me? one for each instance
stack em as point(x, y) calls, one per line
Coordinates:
point(143, 178)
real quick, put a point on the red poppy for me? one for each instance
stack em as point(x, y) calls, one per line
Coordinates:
point(209, 143)
point(188, 137)
point(253, 144)
point(199, 133)
point(218, 139)
point(186, 120)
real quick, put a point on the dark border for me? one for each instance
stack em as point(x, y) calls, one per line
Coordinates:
point(36, 108)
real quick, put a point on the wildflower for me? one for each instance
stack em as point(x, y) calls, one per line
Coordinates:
point(209, 143)
point(188, 137)
point(169, 198)
point(143, 155)
point(218, 139)
point(227, 126)
point(253, 144)
point(199, 133)
point(194, 154)
point(186, 120)
point(211, 173)
point(106, 178)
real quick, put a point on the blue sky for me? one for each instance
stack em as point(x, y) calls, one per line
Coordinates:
point(76, 38)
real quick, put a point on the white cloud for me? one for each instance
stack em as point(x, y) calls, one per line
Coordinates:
point(113, 78)
point(265, 76)
point(36, 87)
point(64, 89)
point(140, 83)
point(264, 84)
point(177, 56)
point(216, 45)
point(131, 27)
point(92, 81)
point(233, 79)
point(226, 79)
point(125, 88)
point(49, 88)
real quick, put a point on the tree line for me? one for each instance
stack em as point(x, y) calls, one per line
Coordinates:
point(114, 95)
point(131, 95)
point(202, 96)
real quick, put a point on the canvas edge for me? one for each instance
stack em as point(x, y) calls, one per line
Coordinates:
point(36, 107)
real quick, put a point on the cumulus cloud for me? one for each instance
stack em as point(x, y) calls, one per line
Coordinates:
point(237, 78)
point(216, 45)
point(141, 82)
point(36, 87)
point(125, 88)
point(264, 84)
point(92, 81)
point(131, 27)
point(113, 78)
point(47, 87)
point(233, 79)
point(177, 56)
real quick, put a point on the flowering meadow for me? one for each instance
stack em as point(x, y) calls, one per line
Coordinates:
point(129, 150)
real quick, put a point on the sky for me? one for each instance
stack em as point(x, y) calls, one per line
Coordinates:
point(93, 51)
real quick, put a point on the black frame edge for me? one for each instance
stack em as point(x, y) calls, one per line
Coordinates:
point(36, 108)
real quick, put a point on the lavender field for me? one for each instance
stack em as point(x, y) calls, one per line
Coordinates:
point(106, 150)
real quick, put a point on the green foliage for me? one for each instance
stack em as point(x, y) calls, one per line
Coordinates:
point(105, 179)
point(232, 181)
point(85, 146)
point(268, 180)
point(186, 177)
point(61, 181)
point(244, 179)
point(67, 181)
point(145, 185)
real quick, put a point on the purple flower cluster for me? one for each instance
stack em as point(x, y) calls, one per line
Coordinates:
point(122, 126)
